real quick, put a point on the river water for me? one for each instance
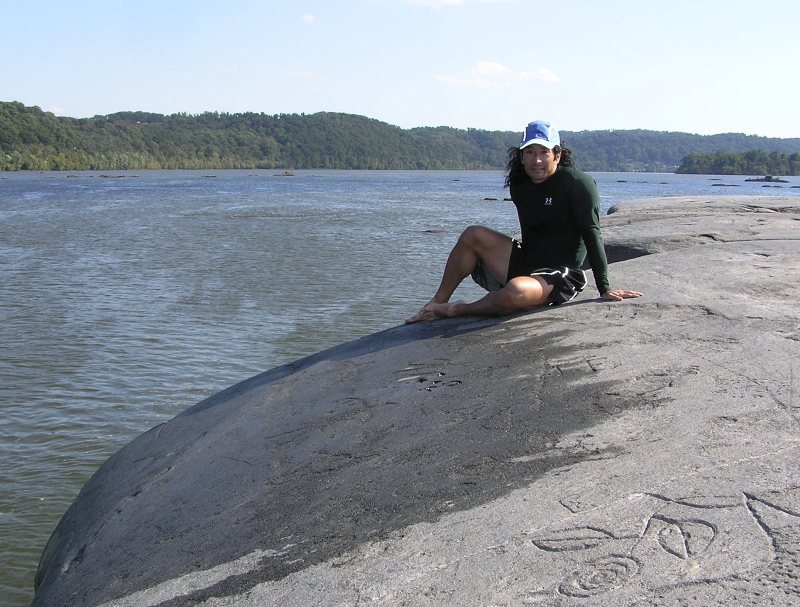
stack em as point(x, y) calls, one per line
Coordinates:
point(126, 297)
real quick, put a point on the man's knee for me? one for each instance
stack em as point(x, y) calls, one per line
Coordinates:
point(525, 292)
point(473, 236)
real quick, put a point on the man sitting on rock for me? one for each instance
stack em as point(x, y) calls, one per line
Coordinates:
point(559, 216)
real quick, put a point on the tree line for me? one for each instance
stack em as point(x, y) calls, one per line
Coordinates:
point(32, 139)
point(753, 162)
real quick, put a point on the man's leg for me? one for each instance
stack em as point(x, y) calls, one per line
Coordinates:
point(492, 247)
point(521, 293)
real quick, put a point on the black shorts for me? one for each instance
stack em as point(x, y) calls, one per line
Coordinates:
point(566, 282)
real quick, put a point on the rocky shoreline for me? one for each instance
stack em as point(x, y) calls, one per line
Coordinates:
point(640, 452)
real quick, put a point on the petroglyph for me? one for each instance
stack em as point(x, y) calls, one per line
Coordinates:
point(780, 523)
point(600, 576)
point(428, 378)
point(683, 539)
point(725, 541)
point(580, 538)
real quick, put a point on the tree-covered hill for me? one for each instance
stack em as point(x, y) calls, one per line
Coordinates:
point(753, 162)
point(640, 150)
point(31, 139)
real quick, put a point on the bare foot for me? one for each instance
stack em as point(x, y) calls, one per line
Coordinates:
point(432, 311)
point(417, 317)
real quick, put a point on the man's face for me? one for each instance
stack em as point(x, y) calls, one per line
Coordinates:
point(539, 162)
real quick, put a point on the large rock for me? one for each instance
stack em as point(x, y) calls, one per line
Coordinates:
point(642, 452)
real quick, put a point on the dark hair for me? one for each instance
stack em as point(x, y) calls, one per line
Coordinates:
point(515, 172)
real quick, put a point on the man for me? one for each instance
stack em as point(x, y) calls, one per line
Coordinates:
point(559, 215)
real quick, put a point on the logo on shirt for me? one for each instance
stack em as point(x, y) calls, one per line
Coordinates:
point(548, 202)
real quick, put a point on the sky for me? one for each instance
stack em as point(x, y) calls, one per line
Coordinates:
point(701, 66)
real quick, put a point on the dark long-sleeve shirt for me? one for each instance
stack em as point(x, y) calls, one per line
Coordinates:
point(560, 223)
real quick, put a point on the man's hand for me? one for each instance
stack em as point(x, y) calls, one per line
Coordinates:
point(620, 294)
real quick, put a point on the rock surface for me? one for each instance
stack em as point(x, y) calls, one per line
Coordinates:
point(643, 452)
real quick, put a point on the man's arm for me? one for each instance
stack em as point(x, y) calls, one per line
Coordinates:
point(588, 220)
point(586, 214)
